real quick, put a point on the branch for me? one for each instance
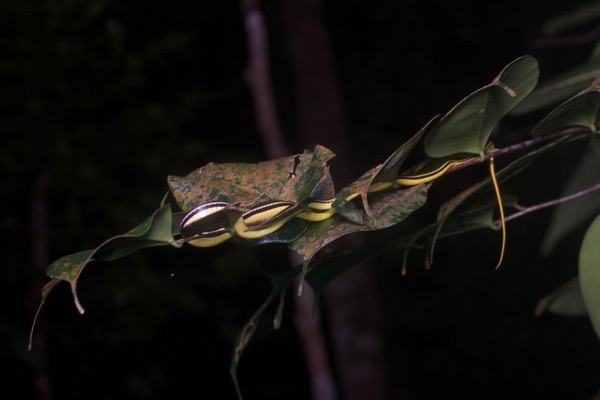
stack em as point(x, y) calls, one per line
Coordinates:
point(552, 203)
point(524, 211)
point(257, 77)
point(522, 145)
point(507, 150)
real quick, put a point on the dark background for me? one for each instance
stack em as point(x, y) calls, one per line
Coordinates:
point(101, 100)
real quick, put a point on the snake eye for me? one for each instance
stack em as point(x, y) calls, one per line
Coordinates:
point(206, 218)
point(267, 212)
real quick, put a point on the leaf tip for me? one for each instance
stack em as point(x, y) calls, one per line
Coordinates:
point(78, 305)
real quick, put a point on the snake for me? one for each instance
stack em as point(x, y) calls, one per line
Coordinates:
point(203, 225)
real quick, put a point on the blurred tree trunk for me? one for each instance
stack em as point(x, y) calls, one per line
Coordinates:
point(257, 75)
point(352, 300)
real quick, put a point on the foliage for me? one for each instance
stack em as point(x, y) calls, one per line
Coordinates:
point(305, 212)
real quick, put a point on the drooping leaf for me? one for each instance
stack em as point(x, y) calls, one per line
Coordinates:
point(477, 217)
point(292, 179)
point(154, 231)
point(567, 300)
point(279, 284)
point(579, 110)
point(388, 208)
point(467, 127)
point(589, 272)
point(569, 215)
point(387, 172)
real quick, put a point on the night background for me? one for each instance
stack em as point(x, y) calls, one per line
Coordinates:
point(101, 100)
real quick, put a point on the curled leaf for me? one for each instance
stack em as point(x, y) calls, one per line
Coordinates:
point(154, 231)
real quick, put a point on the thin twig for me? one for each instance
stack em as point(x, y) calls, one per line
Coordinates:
point(552, 203)
point(526, 210)
point(520, 146)
point(507, 150)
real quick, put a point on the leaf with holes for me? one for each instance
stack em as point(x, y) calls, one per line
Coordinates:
point(292, 179)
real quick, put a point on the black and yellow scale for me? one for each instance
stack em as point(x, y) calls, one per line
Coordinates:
point(213, 223)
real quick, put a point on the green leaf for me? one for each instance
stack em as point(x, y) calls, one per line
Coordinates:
point(383, 173)
point(579, 110)
point(467, 127)
point(568, 216)
point(484, 187)
point(154, 231)
point(559, 88)
point(589, 272)
point(567, 300)
point(481, 216)
point(388, 208)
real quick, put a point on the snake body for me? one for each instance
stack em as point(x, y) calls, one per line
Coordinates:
point(210, 223)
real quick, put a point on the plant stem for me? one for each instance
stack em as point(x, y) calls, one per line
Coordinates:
point(521, 145)
point(554, 202)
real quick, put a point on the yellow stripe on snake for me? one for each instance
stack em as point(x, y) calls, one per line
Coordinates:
point(266, 218)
